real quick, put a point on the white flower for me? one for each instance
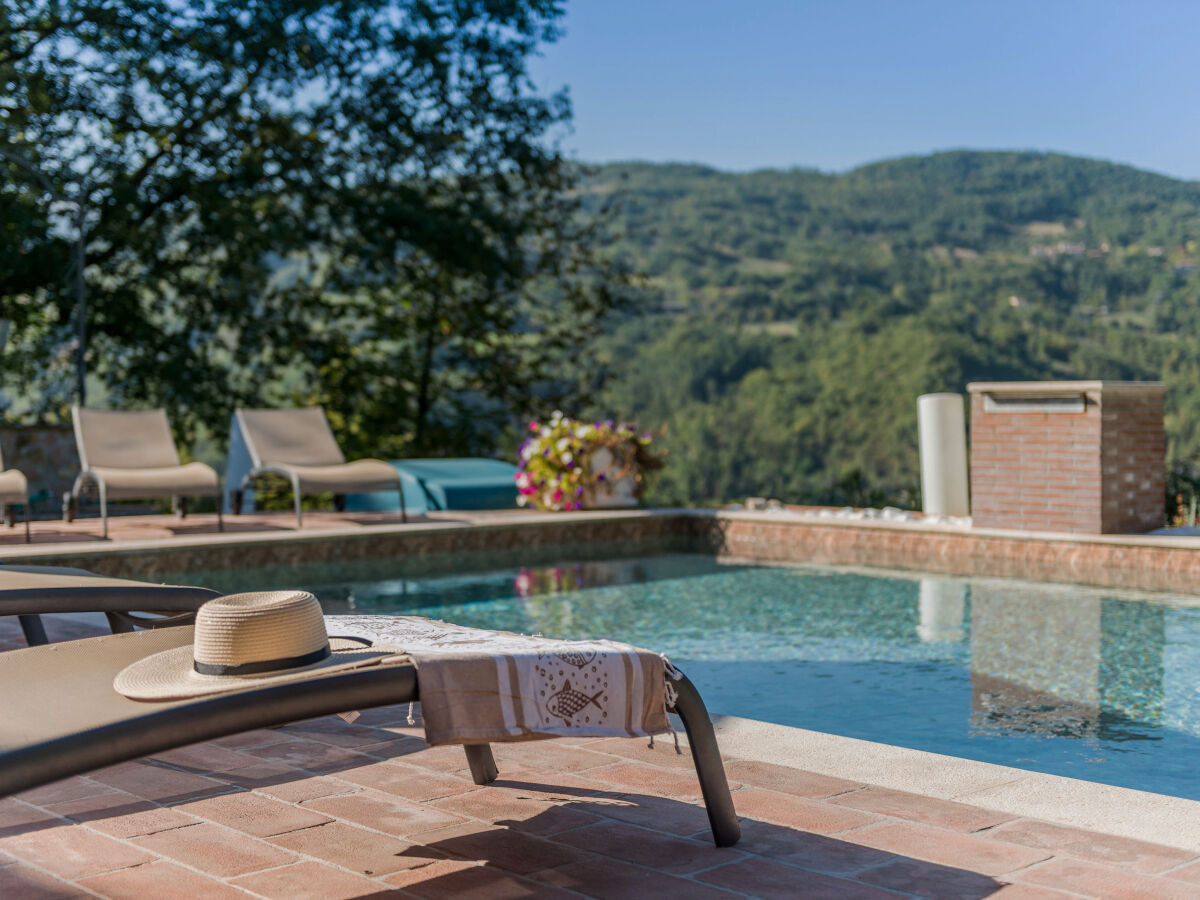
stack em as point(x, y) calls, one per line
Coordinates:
point(530, 451)
point(563, 444)
point(545, 431)
point(522, 500)
point(567, 459)
point(584, 431)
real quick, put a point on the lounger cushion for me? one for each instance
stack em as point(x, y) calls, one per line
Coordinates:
point(295, 437)
point(194, 479)
point(126, 439)
point(360, 475)
point(13, 487)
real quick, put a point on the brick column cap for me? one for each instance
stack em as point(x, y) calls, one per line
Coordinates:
point(1061, 387)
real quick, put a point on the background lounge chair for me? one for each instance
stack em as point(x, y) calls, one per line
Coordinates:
point(29, 591)
point(66, 719)
point(131, 455)
point(299, 445)
point(14, 490)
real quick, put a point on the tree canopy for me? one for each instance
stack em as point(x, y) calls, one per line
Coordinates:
point(294, 201)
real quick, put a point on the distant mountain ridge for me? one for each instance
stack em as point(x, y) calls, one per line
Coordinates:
point(793, 317)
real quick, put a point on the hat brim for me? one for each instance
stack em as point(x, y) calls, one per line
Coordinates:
point(169, 675)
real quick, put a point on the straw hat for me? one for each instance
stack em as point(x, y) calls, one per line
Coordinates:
point(246, 640)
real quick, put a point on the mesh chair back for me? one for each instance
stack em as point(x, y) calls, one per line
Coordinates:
point(298, 437)
point(124, 439)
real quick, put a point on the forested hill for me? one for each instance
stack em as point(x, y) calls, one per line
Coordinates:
point(792, 318)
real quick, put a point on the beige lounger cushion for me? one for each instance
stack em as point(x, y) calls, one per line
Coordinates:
point(125, 439)
point(30, 590)
point(360, 475)
point(186, 481)
point(13, 487)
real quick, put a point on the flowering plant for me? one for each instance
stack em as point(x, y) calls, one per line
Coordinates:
point(555, 470)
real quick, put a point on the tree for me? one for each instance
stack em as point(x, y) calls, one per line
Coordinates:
point(292, 200)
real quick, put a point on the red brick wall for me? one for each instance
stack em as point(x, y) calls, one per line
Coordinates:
point(1099, 471)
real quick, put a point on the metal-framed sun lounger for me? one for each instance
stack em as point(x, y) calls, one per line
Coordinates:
point(30, 591)
point(14, 491)
point(131, 455)
point(298, 444)
point(67, 719)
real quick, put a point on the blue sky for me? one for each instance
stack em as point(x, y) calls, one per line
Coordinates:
point(831, 85)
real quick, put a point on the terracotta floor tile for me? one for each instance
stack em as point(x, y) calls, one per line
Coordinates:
point(23, 883)
point(973, 853)
point(253, 814)
point(1189, 873)
point(638, 749)
point(215, 850)
point(786, 779)
point(1125, 853)
point(152, 782)
point(771, 880)
point(1029, 892)
point(474, 882)
point(259, 737)
point(286, 783)
point(503, 848)
point(1094, 880)
point(611, 880)
point(71, 851)
point(927, 810)
point(651, 779)
point(925, 879)
point(308, 881)
point(310, 755)
point(384, 812)
point(833, 855)
point(393, 749)
point(439, 759)
point(658, 813)
point(407, 781)
point(662, 852)
point(119, 815)
point(161, 881)
point(21, 818)
point(357, 849)
point(797, 812)
point(513, 809)
point(332, 730)
point(63, 791)
point(206, 757)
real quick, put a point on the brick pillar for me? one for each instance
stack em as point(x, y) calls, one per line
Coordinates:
point(1077, 456)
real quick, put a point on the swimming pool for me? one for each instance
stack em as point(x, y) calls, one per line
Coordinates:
point(1072, 681)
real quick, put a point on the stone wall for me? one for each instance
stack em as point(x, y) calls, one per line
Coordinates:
point(46, 455)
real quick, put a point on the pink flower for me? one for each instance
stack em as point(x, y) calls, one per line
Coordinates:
point(558, 495)
point(534, 426)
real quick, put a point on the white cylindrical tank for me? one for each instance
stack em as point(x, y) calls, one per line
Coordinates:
point(943, 435)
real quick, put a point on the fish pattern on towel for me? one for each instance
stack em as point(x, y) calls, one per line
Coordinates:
point(543, 687)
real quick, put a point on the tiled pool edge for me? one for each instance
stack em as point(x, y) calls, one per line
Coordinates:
point(1144, 562)
point(1137, 815)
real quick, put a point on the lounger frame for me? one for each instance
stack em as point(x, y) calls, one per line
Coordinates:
point(37, 764)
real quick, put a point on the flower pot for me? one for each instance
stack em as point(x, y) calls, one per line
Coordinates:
point(617, 489)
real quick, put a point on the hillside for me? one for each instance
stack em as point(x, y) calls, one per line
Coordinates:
point(791, 318)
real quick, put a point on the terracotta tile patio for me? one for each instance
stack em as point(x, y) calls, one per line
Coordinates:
point(340, 809)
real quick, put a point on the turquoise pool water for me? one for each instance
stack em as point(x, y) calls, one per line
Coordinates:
point(1071, 681)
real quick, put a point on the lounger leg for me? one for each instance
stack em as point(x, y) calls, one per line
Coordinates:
point(721, 816)
point(296, 495)
point(482, 763)
point(103, 507)
point(27, 538)
point(220, 512)
point(403, 511)
point(119, 624)
point(34, 631)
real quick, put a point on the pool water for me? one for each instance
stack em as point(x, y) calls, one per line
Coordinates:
point(1071, 681)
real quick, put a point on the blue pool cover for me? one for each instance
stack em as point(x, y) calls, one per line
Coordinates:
point(440, 484)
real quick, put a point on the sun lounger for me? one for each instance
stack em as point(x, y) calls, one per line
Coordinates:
point(131, 455)
point(14, 491)
point(31, 591)
point(68, 720)
point(298, 444)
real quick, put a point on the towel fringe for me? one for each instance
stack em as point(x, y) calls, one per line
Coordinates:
point(670, 695)
point(410, 720)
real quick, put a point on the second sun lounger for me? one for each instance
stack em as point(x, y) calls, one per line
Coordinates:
point(31, 591)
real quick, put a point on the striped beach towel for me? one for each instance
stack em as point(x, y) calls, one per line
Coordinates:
point(479, 686)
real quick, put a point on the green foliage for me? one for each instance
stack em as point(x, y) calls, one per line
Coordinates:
point(292, 202)
point(794, 317)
